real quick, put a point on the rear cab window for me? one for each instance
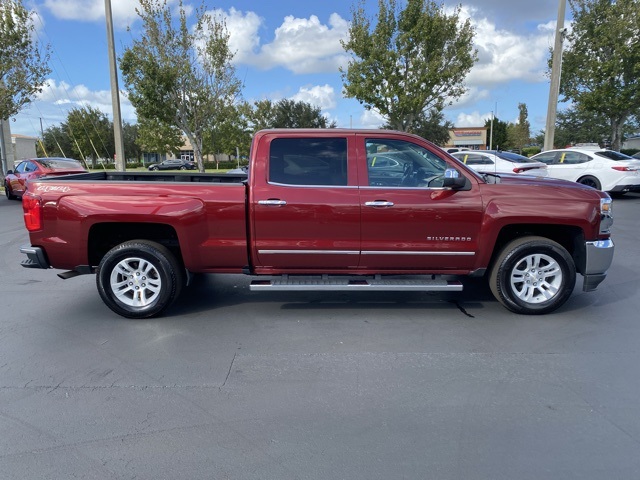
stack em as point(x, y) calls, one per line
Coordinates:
point(308, 161)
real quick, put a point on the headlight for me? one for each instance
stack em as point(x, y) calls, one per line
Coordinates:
point(606, 215)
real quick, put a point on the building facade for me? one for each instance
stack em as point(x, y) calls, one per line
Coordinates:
point(473, 138)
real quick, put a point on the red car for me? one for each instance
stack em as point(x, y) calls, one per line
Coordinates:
point(15, 183)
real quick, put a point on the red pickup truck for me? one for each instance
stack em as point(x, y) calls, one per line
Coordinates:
point(333, 209)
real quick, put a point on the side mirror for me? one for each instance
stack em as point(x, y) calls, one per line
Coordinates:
point(452, 179)
point(9, 172)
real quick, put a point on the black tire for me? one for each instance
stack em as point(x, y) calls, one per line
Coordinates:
point(7, 192)
point(532, 276)
point(183, 167)
point(153, 169)
point(155, 283)
point(590, 181)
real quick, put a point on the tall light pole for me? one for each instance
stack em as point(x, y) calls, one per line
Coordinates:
point(115, 93)
point(556, 71)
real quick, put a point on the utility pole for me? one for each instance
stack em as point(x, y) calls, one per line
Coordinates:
point(115, 92)
point(556, 71)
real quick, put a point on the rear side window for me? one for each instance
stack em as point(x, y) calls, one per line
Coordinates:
point(573, 158)
point(547, 157)
point(473, 159)
point(308, 161)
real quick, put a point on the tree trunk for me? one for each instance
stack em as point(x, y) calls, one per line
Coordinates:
point(616, 131)
point(196, 143)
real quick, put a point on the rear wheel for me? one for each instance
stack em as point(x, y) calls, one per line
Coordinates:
point(8, 192)
point(532, 276)
point(139, 279)
point(590, 181)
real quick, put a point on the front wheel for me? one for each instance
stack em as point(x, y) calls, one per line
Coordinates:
point(532, 276)
point(139, 279)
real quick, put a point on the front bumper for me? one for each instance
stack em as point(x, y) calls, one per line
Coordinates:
point(36, 257)
point(599, 256)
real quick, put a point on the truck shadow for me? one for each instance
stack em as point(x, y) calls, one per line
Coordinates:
point(211, 292)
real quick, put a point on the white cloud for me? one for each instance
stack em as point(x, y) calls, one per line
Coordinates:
point(323, 96)
point(123, 11)
point(505, 56)
point(243, 30)
point(304, 45)
point(371, 119)
point(472, 119)
point(66, 97)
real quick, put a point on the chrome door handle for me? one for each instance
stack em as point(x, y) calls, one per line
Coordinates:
point(273, 202)
point(379, 203)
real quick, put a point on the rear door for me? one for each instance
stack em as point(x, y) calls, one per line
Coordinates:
point(409, 222)
point(305, 207)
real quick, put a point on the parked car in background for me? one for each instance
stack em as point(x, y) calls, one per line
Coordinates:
point(605, 170)
point(497, 161)
point(455, 149)
point(636, 155)
point(175, 164)
point(16, 180)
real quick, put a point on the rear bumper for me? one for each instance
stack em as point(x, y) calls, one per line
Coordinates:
point(627, 187)
point(599, 256)
point(36, 257)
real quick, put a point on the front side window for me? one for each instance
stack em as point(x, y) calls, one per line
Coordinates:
point(308, 161)
point(397, 163)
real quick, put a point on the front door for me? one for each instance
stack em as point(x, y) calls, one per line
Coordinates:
point(409, 222)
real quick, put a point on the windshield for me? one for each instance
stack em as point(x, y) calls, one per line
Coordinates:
point(60, 163)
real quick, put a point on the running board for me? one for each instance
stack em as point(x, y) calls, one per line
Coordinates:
point(354, 284)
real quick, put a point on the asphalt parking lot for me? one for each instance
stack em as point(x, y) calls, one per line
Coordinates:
point(238, 385)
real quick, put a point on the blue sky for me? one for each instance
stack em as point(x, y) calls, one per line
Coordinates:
point(291, 49)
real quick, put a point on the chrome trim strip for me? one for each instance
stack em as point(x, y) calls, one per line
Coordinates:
point(391, 252)
point(308, 252)
point(355, 252)
point(295, 185)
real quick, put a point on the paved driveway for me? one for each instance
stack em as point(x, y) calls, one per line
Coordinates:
point(238, 385)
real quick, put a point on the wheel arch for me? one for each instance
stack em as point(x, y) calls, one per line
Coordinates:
point(104, 236)
point(570, 237)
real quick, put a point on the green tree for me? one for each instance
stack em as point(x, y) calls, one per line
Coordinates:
point(601, 63)
point(298, 114)
point(23, 64)
point(155, 136)
point(181, 75)
point(498, 133)
point(519, 134)
point(412, 61)
point(91, 134)
point(431, 126)
point(130, 137)
point(56, 142)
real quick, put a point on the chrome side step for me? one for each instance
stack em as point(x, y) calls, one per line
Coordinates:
point(355, 284)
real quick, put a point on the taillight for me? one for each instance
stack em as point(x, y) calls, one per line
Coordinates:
point(32, 207)
point(624, 169)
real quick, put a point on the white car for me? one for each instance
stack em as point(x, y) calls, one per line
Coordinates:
point(605, 170)
point(496, 161)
